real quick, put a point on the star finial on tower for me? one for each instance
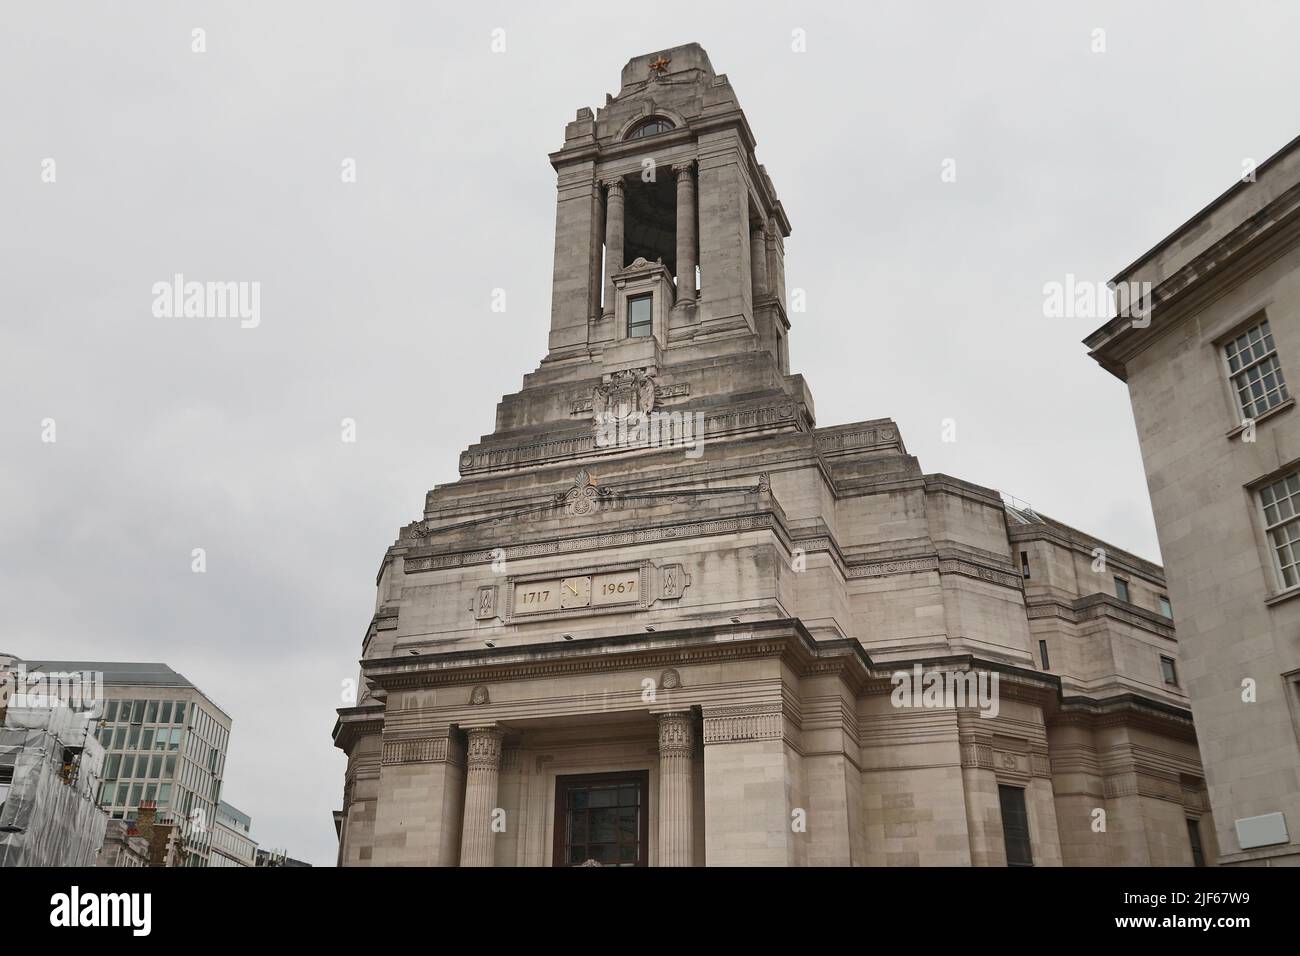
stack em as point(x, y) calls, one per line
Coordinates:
point(660, 66)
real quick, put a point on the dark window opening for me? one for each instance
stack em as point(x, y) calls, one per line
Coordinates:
point(1169, 670)
point(650, 220)
point(1194, 837)
point(640, 315)
point(1024, 565)
point(649, 127)
point(1166, 608)
point(602, 819)
point(1042, 654)
point(1015, 826)
point(1121, 589)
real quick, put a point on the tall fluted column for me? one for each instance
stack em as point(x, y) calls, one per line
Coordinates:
point(676, 795)
point(685, 231)
point(758, 261)
point(483, 767)
point(613, 238)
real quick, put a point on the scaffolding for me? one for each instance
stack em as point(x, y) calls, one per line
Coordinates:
point(48, 816)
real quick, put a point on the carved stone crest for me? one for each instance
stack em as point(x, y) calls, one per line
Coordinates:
point(479, 695)
point(670, 679)
point(625, 393)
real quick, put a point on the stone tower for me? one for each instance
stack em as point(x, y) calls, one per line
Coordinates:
point(660, 617)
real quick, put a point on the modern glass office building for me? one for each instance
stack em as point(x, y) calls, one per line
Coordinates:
point(165, 741)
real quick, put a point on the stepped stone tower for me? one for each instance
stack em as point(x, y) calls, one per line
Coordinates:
point(665, 619)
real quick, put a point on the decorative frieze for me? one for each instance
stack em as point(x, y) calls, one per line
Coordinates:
point(583, 406)
point(723, 725)
point(417, 750)
point(613, 539)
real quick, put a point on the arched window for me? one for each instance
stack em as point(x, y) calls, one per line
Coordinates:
point(649, 127)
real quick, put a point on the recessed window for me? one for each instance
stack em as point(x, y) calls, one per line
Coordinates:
point(1166, 608)
point(1280, 501)
point(602, 819)
point(1194, 838)
point(1256, 375)
point(1169, 670)
point(640, 315)
point(650, 127)
point(1042, 655)
point(1024, 565)
point(1121, 589)
point(1015, 826)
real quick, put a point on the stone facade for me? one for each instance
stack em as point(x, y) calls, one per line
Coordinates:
point(1211, 453)
point(701, 624)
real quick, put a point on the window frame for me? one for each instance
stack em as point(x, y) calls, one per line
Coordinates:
point(638, 131)
point(649, 324)
point(1170, 672)
point(1195, 841)
point(1028, 859)
point(1248, 411)
point(1270, 528)
point(1122, 584)
point(568, 782)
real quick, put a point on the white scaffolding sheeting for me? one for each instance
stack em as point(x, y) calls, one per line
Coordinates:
point(49, 817)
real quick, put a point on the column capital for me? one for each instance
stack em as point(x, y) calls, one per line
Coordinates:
point(676, 732)
point(685, 169)
point(615, 186)
point(484, 747)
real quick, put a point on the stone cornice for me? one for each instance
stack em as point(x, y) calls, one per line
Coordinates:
point(785, 638)
point(1083, 544)
point(1125, 709)
point(356, 722)
point(1257, 240)
point(1094, 606)
point(570, 443)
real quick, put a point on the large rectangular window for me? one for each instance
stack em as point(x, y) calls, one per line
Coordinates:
point(1169, 671)
point(602, 819)
point(1015, 826)
point(1256, 375)
point(1121, 589)
point(1279, 501)
point(640, 315)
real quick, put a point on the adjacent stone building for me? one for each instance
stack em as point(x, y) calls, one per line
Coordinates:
point(664, 618)
point(1210, 354)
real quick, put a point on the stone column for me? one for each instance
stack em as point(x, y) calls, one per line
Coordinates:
point(758, 260)
point(613, 238)
point(685, 231)
point(676, 795)
point(483, 766)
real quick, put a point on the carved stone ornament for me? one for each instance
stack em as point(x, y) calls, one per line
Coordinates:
point(625, 393)
point(670, 679)
point(583, 497)
point(479, 695)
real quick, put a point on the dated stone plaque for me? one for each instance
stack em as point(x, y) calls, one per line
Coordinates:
point(618, 587)
point(533, 597)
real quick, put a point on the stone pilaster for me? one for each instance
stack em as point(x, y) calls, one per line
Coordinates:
point(613, 238)
point(676, 794)
point(482, 770)
point(685, 231)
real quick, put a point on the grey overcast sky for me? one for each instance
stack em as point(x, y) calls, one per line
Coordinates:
point(924, 297)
